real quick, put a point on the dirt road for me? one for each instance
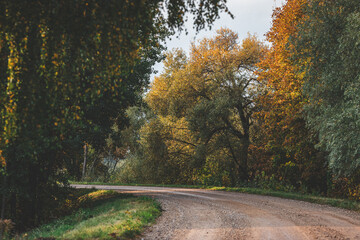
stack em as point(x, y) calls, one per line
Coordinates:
point(203, 214)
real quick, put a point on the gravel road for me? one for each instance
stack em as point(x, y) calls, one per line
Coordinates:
point(203, 214)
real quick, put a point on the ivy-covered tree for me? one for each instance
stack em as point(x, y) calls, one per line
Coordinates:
point(69, 69)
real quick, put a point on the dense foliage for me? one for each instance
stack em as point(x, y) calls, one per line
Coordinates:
point(332, 79)
point(203, 109)
point(330, 32)
point(311, 99)
point(287, 118)
point(284, 147)
point(69, 69)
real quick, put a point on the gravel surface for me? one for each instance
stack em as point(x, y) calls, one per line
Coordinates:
point(204, 214)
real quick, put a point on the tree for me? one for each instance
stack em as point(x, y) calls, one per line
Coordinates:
point(283, 139)
point(330, 33)
point(205, 103)
point(131, 167)
point(167, 142)
point(223, 115)
point(69, 69)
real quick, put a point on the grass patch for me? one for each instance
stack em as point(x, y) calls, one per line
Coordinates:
point(102, 215)
point(335, 202)
point(143, 184)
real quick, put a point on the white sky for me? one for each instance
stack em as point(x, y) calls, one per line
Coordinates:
point(253, 16)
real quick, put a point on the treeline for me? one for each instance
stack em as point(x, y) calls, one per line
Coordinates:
point(284, 116)
point(68, 72)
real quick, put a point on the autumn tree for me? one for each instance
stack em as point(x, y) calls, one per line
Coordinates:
point(167, 142)
point(284, 144)
point(69, 69)
point(223, 115)
point(205, 103)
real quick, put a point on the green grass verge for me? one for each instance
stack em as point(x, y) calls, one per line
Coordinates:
point(335, 202)
point(110, 215)
point(143, 184)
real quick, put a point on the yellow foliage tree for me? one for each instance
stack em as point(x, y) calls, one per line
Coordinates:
point(205, 103)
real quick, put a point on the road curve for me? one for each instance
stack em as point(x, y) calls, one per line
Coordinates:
point(204, 214)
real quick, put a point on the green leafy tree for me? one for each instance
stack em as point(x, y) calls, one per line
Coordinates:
point(330, 34)
point(69, 69)
point(130, 167)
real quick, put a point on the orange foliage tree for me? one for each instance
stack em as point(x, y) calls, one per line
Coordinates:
point(285, 147)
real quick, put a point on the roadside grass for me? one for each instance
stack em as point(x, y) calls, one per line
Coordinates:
point(335, 202)
point(102, 215)
point(143, 184)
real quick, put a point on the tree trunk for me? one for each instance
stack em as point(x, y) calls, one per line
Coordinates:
point(3, 207)
point(243, 173)
point(3, 199)
point(84, 164)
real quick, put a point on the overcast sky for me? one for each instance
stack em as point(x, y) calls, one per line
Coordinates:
point(253, 16)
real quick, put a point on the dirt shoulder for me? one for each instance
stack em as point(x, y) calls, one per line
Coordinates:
point(204, 214)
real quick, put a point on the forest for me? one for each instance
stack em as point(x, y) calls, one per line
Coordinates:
point(77, 102)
